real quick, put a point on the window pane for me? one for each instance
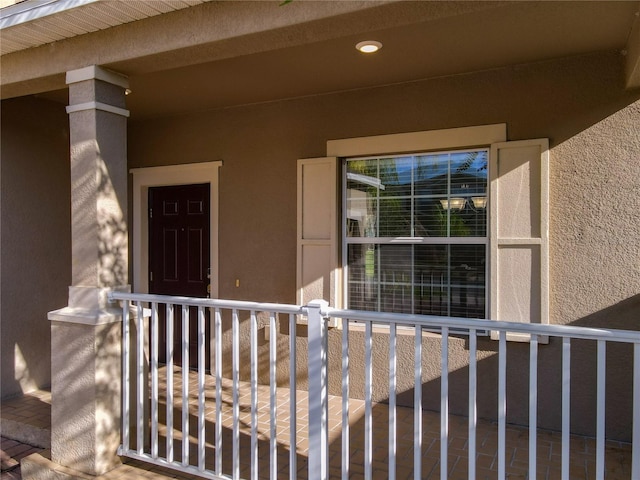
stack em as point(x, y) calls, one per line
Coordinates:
point(361, 213)
point(468, 281)
point(396, 175)
point(432, 279)
point(431, 220)
point(362, 286)
point(431, 174)
point(395, 217)
point(362, 198)
point(395, 278)
point(468, 194)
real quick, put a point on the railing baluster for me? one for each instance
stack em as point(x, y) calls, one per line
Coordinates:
point(533, 404)
point(325, 387)
point(185, 385)
point(273, 384)
point(254, 395)
point(417, 405)
point(600, 414)
point(169, 327)
point(444, 402)
point(502, 404)
point(235, 374)
point(154, 380)
point(473, 407)
point(293, 399)
point(148, 396)
point(201, 389)
point(566, 405)
point(140, 379)
point(345, 399)
point(392, 401)
point(126, 375)
point(368, 418)
point(218, 346)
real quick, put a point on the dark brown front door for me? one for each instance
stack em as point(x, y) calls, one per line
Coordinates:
point(179, 256)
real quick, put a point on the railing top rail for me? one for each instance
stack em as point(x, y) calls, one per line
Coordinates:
point(210, 302)
point(429, 321)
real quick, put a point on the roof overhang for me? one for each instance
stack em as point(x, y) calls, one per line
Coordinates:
point(212, 54)
point(32, 23)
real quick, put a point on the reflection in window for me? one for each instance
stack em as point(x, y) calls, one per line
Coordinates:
point(416, 233)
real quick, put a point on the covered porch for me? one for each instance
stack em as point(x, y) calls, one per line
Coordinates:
point(241, 425)
point(32, 410)
point(116, 113)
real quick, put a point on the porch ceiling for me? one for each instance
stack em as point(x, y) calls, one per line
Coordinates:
point(420, 40)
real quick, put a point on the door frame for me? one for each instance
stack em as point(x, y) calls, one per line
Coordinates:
point(185, 174)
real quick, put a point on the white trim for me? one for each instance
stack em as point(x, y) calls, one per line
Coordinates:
point(521, 241)
point(85, 317)
point(143, 178)
point(450, 138)
point(25, 12)
point(80, 107)
point(95, 72)
point(478, 138)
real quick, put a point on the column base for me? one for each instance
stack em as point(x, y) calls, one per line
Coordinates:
point(86, 366)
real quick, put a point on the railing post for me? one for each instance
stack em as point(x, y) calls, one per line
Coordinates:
point(317, 367)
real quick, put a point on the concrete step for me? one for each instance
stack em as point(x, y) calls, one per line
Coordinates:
point(27, 418)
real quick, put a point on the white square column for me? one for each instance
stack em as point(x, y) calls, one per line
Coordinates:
point(86, 335)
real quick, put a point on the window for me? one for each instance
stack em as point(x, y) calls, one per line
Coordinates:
point(415, 233)
point(482, 252)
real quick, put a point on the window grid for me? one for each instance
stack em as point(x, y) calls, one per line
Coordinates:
point(401, 290)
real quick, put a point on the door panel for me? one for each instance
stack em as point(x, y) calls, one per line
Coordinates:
point(179, 257)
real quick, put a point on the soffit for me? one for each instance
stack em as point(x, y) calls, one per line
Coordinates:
point(421, 40)
point(517, 33)
point(32, 23)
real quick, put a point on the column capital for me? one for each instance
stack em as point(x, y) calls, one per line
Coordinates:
point(95, 72)
point(98, 106)
point(90, 306)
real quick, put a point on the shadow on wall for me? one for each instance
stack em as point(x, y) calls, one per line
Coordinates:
point(35, 244)
point(619, 381)
point(619, 357)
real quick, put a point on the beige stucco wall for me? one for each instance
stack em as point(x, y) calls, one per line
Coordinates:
point(35, 242)
point(579, 104)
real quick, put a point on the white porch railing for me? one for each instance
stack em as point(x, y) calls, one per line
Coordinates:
point(142, 398)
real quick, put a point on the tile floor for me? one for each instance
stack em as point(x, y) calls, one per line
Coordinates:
point(11, 452)
point(582, 455)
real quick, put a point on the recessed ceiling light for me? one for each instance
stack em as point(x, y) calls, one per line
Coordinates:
point(369, 46)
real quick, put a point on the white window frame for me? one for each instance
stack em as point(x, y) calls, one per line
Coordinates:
point(482, 136)
point(451, 240)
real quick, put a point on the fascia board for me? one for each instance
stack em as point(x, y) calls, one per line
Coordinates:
point(31, 10)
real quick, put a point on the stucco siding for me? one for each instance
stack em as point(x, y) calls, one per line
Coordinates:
point(570, 102)
point(35, 238)
point(592, 123)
